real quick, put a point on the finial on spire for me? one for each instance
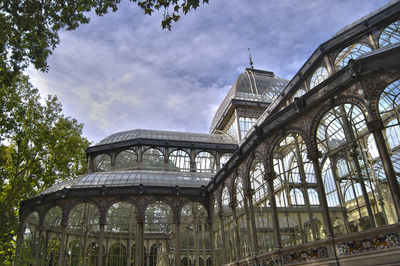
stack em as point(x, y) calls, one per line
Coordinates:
point(251, 61)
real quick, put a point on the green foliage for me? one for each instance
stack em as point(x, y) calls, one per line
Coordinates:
point(30, 28)
point(38, 146)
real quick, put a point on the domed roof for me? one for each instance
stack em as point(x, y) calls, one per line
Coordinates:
point(252, 85)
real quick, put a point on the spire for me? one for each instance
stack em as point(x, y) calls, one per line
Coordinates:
point(251, 61)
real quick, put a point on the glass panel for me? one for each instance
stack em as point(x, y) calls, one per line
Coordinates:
point(126, 160)
point(102, 163)
point(319, 75)
point(30, 242)
point(205, 162)
point(391, 34)
point(153, 159)
point(194, 232)
point(351, 52)
point(179, 161)
point(83, 235)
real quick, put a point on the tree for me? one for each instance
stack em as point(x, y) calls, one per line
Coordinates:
point(30, 28)
point(38, 147)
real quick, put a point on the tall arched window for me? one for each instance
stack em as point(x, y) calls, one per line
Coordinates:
point(262, 212)
point(179, 160)
point(83, 225)
point(242, 218)
point(294, 173)
point(52, 223)
point(205, 162)
point(347, 168)
point(194, 232)
point(350, 52)
point(228, 224)
point(30, 240)
point(389, 103)
point(319, 75)
point(155, 256)
point(153, 159)
point(126, 160)
point(391, 34)
point(117, 254)
point(121, 227)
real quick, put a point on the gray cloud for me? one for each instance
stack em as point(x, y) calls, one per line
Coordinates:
point(122, 71)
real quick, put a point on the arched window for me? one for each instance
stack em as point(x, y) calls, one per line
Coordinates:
point(194, 231)
point(153, 159)
point(158, 218)
point(347, 167)
point(262, 211)
point(299, 93)
point(121, 228)
point(257, 181)
point(155, 254)
point(224, 159)
point(391, 34)
point(205, 162)
point(225, 198)
point(52, 222)
point(293, 171)
point(102, 163)
point(296, 197)
point(242, 218)
point(186, 262)
point(83, 218)
point(117, 255)
point(319, 75)
point(228, 224)
point(179, 160)
point(30, 240)
point(350, 52)
point(313, 196)
point(126, 160)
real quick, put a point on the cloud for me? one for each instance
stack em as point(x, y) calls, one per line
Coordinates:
point(122, 71)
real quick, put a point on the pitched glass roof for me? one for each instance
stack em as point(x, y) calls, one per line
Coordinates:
point(134, 178)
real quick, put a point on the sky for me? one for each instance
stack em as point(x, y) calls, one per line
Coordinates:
point(122, 71)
